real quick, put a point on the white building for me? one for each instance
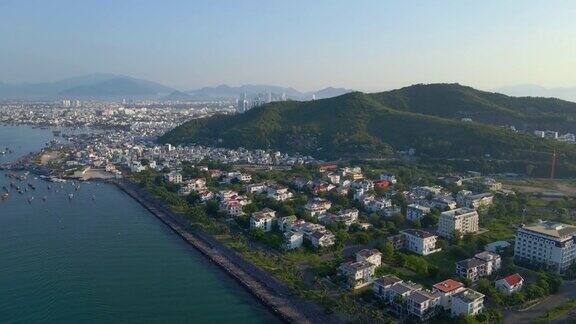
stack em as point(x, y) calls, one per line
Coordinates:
point(510, 284)
point(446, 289)
point(467, 302)
point(317, 206)
point(465, 198)
point(464, 220)
point(293, 240)
point(420, 241)
point(263, 219)
point(546, 244)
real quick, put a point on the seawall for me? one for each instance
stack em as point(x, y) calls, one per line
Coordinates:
point(271, 292)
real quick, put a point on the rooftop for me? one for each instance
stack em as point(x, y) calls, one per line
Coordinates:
point(388, 280)
point(448, 285)
point(552, 229)
point(468, 295)
point(418, 232)
point(513, 279)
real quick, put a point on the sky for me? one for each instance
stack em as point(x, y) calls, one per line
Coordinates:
point(367, 45)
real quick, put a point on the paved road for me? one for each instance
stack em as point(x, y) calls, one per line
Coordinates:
point(568, 290)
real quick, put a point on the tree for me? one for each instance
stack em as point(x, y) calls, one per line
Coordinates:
point(387, 250)
point(529, 169)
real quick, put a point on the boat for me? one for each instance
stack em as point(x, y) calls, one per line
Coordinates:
point(70, 196)
point(30, 200)
point(32, 186)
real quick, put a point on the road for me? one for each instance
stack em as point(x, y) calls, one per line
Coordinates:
point(567, 291)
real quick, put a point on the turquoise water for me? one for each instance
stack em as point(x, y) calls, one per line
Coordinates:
point(101, 257)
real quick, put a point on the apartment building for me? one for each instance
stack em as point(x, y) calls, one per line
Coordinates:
point(464, 220)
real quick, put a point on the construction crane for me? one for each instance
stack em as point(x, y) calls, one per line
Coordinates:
point(554, 158)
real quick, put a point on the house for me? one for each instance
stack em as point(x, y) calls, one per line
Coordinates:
point(443, 202)
point(467, 302)
point(381, 184)
point(317, 206)
point(481, 265)
point(493, 261)
point(370, 255)
point(293, 240)
point(263, 219)
point(205, 195)
point(284, 223)
point(358, 273)
point(398, 294)
point(278, 193)
point(416, 212)
point(446, 289)
point(372, 204)
point(510, 284)
point(173, 177)
point(382, 286)
point(256, 188)
point(322, 239)
point(420, 241)
point(232, 208)
point(461, 220)
point(465, 198)
point(423, 304)
point(346, 217)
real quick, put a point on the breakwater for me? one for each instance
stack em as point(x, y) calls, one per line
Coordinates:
point(262, 285)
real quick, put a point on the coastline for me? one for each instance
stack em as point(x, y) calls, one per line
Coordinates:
point(268, 290)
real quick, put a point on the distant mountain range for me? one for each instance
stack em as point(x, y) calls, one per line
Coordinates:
point(228, 92)
point(425, 117)
point(104, 86)
point(533, 90)
point(93, 86)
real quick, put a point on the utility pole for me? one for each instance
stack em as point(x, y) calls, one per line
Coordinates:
point(553, 165)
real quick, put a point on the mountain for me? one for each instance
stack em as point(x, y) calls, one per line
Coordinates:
point(117, 87)
point(566, 93)
point(80, 86)
point(424, 117)
point(230, 93)
point(177, 96)
point(329, 92)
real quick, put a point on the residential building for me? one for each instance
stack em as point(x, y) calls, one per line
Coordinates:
point(446, 289)
point(481, 265)
point(382, 286)
point(463, 220)
point(293, 240)
point(284, 223)
point(317, 206)
point(370, 255)
point(416, 212)
point(510, 284)
point(423, 304)
point(467, 302)
point(420, 241)
point(357, 273)
point(546, 244)
point(465, 198)
point(174, 177)
point(263, 219)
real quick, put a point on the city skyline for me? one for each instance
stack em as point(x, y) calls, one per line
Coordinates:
point(372, 46)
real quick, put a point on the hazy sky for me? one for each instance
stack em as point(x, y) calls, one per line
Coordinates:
point(365, 45)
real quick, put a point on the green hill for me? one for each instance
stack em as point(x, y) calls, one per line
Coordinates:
point(424, 117)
